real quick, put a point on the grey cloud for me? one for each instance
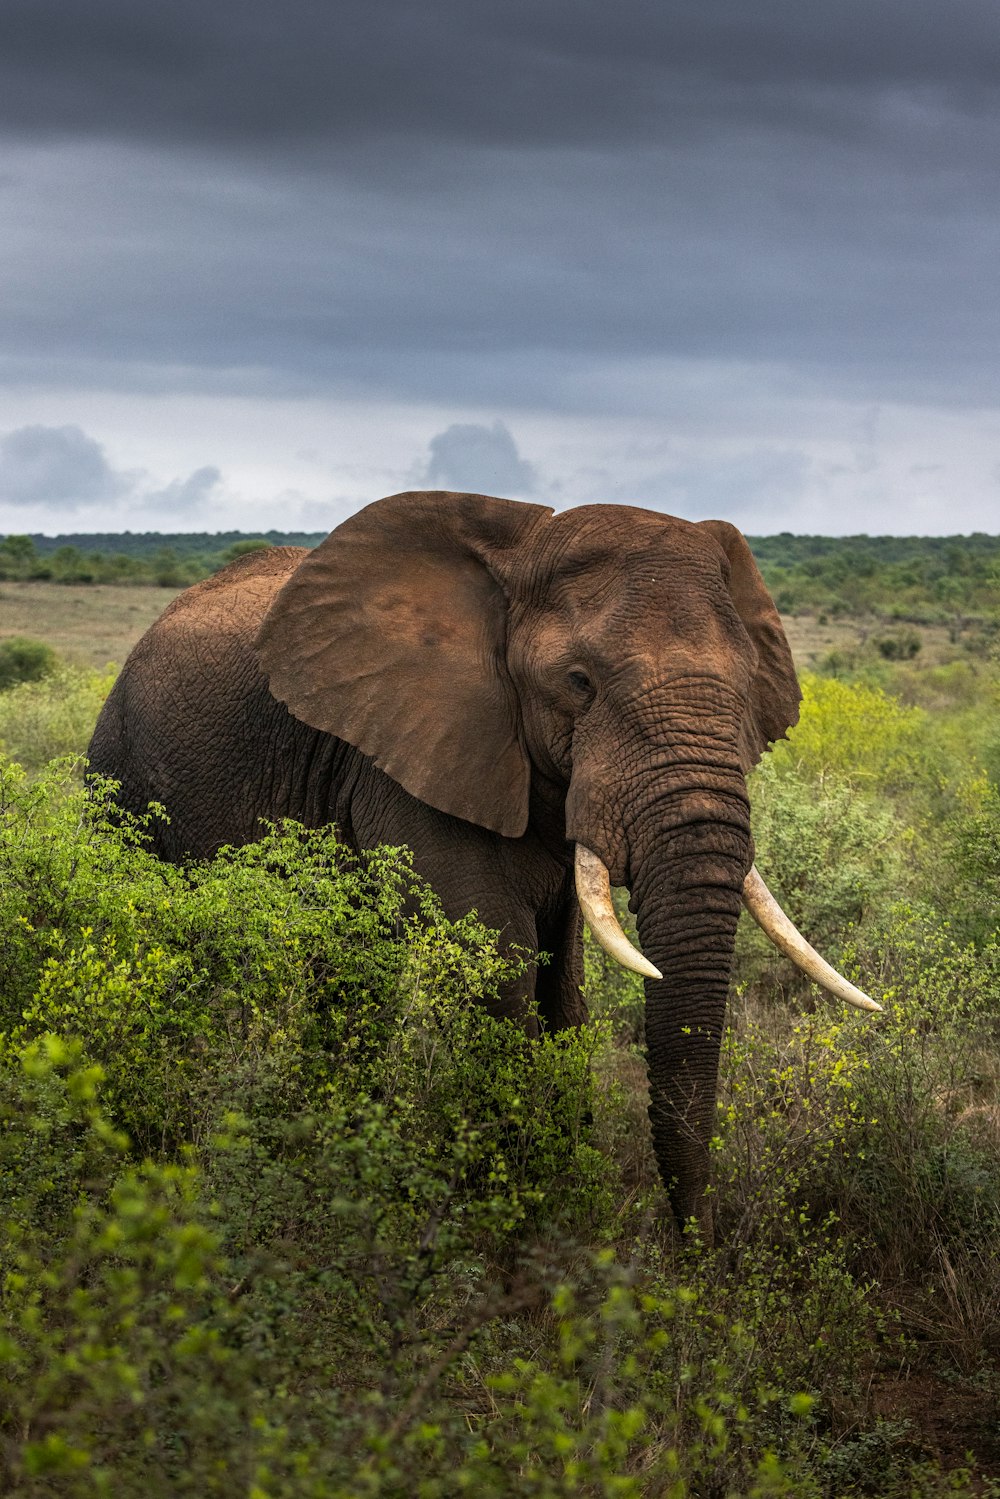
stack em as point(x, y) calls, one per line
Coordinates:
point(568, 208)
point(57, 466)
point(506, 285)
point(467, 456)
point(761, 487)
point(64, 470)
point(553, 72)
point(465, 202)
point(186, 496)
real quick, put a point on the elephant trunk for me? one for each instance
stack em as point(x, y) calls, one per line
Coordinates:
point(687, 882)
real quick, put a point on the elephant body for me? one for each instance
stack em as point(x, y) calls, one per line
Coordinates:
point(489, 683)
point(221, 753)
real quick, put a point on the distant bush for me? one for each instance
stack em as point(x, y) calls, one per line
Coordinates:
point(24, 660)
point(902, 646)
point(855, 730)
point(242, 548)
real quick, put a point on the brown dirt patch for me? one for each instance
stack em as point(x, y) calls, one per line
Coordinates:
point(950, 1421)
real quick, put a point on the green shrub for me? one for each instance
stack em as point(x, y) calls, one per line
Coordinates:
point(283, 1211)
point(287, 959)
point(969, 879)
point(41, 720)
point(902, 646)
point(854, 731)
point(242, 548)
point(293, 1290)
point(887, 1130)
point(24, 660)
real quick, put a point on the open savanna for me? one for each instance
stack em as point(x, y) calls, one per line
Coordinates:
point(88, 624)
point(92, 624)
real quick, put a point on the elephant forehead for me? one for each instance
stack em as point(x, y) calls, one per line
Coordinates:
point(614, 554)
point(660, 607)
point(644, 596)
point(592, 532)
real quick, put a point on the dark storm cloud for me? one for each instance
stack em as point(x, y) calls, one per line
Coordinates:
point(526, 71)
point(518, 204)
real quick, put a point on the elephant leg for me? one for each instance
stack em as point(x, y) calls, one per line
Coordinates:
point(559, 984)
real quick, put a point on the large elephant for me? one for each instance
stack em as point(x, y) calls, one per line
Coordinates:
point(508, 691)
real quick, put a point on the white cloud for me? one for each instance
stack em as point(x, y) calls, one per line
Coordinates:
point(54, 478)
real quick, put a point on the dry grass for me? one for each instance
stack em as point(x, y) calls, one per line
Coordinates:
point(812, 642)
point(89, 624)
point(93, 624)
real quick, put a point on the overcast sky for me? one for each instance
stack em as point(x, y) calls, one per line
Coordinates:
point(260, 264)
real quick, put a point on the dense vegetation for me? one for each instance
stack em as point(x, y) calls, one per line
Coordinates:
point(284, 1213)
point(919, 578)
point(169, 561)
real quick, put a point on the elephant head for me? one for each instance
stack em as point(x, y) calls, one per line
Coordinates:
point(619, 668)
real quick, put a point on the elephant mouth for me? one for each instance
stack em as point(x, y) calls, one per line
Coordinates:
point(593, 887)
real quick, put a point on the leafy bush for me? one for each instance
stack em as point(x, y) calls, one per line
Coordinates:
point(293, 1289)
point(855, 731)
point(975, 835)
point(132, 1362)
point(24, 660)
point(284, 1211)
point(902, 646)
point(41, 720)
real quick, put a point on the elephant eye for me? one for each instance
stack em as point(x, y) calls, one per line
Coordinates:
point(581, 684)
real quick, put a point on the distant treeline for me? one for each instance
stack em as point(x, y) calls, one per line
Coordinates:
point(920, 578)
point(167, 560)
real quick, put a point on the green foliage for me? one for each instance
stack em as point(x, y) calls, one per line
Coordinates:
point(261, 1147)
point(975, 844)
point(23, 660)
point(903, 645)
point(856, 731)
point(132, 1362)
point(41, 720)
point(169, 561)
point(285, 1212)
point(243, 548)
point(921, 578)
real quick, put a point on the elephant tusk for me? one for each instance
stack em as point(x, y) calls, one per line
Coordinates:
point(788, 939)
point(593, 886)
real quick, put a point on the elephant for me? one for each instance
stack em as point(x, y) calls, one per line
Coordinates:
point(538, 704)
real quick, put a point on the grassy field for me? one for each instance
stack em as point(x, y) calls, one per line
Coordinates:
point(88, 624)
point(94, 624)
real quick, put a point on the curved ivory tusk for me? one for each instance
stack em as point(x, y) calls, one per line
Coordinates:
point(593, 886)
point(788, 939)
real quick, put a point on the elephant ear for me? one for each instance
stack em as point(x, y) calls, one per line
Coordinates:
point(391, 635)
point(775, 695)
